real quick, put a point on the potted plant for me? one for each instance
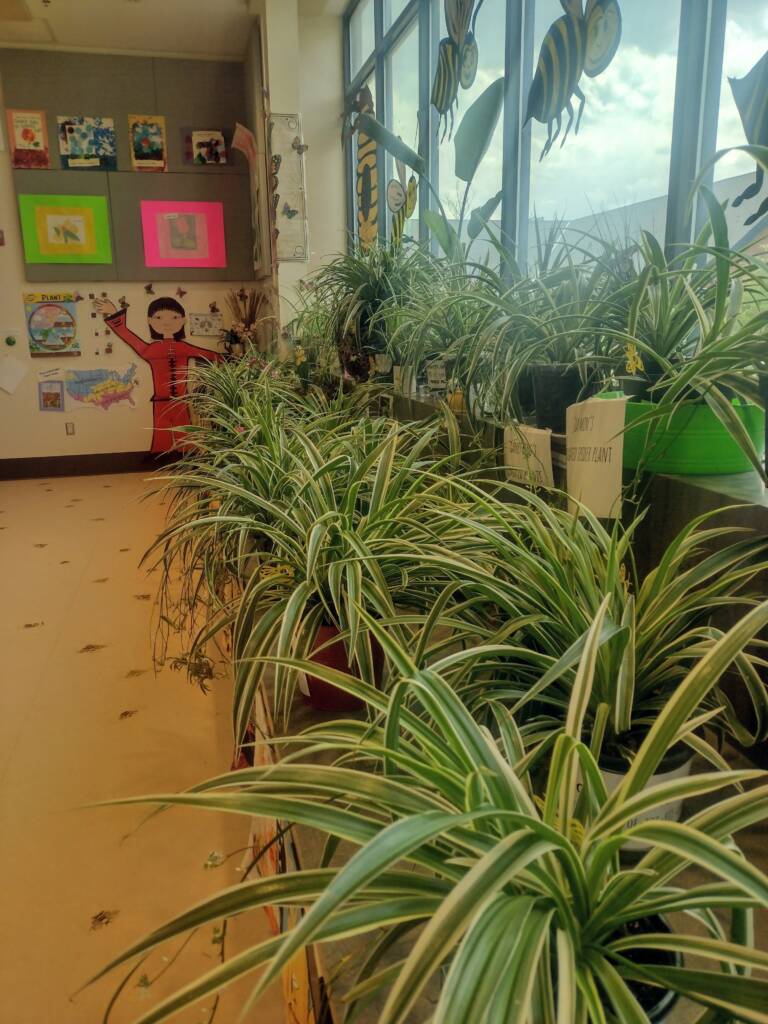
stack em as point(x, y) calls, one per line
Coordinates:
point(512, 903)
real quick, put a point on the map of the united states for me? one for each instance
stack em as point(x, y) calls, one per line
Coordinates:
point(101, 388)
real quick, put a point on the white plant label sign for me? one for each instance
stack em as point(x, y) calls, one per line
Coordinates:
point(595, 450)
point(436, 376)
point(528, 456)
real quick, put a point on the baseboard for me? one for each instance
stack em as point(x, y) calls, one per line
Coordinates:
point(84, 465)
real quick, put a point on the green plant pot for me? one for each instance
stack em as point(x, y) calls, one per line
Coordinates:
point(692, 442)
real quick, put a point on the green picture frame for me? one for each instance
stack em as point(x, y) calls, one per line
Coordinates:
point(65, 229)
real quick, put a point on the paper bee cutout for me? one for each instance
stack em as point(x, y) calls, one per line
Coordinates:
point(401, 200)
point(366, 176)
point(457, 58)
point(582, 40)
point(750, 94)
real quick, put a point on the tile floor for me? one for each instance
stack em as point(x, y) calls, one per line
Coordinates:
point(83, 726)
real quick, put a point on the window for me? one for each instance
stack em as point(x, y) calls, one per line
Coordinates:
point(402, 83)
point(489, 36)
point(746, 41)
point(616, 170)
point(614, 176)
point(361, 35)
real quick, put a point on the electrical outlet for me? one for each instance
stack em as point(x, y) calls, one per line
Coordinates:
point(70, 429)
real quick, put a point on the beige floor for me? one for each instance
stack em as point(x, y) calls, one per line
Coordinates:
point(82, 727)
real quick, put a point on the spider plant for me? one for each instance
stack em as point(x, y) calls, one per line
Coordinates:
point(344, 299)
point(550, 572)
point(512, 904)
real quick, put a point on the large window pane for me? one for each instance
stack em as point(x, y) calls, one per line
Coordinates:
point(392, 11)
point(361, 36)
point(402, 78)
point(614, 175)
point(746, 41)
point(489, 36)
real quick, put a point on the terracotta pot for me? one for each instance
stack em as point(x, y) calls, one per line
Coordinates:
point(325, 696)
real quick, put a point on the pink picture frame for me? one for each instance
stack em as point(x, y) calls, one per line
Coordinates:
point(183, 234)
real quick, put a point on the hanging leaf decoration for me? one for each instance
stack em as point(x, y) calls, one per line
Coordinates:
point(482, 214)
point(394, 145)
point(474, 134)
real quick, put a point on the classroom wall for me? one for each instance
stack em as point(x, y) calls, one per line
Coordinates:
point(304, 74)
point(25, 432)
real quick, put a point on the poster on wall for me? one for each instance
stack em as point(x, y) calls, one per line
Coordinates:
point(12, 373)
point(51, 324)
point(147, 137)
point(50, 395)
point(244, 140)
point(287, 183)
point(204, 147)
point(206, 325)
point(28, 139)
point(183, 234)
point(65, 229)
point(87, 143)
point(101, 388)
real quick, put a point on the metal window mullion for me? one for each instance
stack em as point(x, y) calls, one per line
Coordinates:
point(349, 149)
point(427, 122)
point(694, 122)
point(381, 114)
point(516, 163)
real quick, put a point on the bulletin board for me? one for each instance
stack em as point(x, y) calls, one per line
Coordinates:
point(188, 94)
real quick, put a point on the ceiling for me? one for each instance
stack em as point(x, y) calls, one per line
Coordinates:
point(191, 28)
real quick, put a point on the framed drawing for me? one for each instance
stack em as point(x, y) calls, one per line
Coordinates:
point(28, 139)
point(183, 234)
point(87, 143)
point(65, 229)
point(204, 146)
point(50, 395)
point(148, 148)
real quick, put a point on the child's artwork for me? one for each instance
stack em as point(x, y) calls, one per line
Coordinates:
point(147, 135)
point(87, 143)
point(206, 325)
point(52, 324)
point(65, 229)
point(28, 139)
point(50, 395)
point(183, 234)
point(168, 354)
point(204, 147)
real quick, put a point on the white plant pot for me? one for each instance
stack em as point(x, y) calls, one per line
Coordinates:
point(667, 812)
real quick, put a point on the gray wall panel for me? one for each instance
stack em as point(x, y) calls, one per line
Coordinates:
point(188, 93)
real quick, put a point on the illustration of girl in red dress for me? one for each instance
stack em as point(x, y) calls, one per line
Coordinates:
point(168, 355)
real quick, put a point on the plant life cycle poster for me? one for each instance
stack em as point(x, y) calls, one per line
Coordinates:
point(52, 324)
point(87, 143)
point(28, 139)
point(148, 145)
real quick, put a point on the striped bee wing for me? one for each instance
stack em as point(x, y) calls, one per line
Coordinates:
point(413, 191)
point(457, 16)
point(395, 195)
point(603, 19)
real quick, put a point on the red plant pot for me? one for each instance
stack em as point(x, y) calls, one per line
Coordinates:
point(325, 696)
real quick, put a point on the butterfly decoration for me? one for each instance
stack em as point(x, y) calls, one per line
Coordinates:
point(242, 295)
point(149, 288)
point(181, 292)
point(212, 307)
point(275, 201)
point(123, 302)
point(79, 297)
point(300, 147)
point(288, 211)
point(401, 200)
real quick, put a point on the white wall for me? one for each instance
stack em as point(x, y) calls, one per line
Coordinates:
point(25, 432)
point(305, 75)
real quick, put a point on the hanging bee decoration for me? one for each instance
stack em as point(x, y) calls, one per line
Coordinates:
point(582, 40)
point(401, 200)
point(457, 59)
point(367, 178)
point(750, 94)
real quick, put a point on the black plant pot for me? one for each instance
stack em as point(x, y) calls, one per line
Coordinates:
point(656, 1002)
point(555, 387)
